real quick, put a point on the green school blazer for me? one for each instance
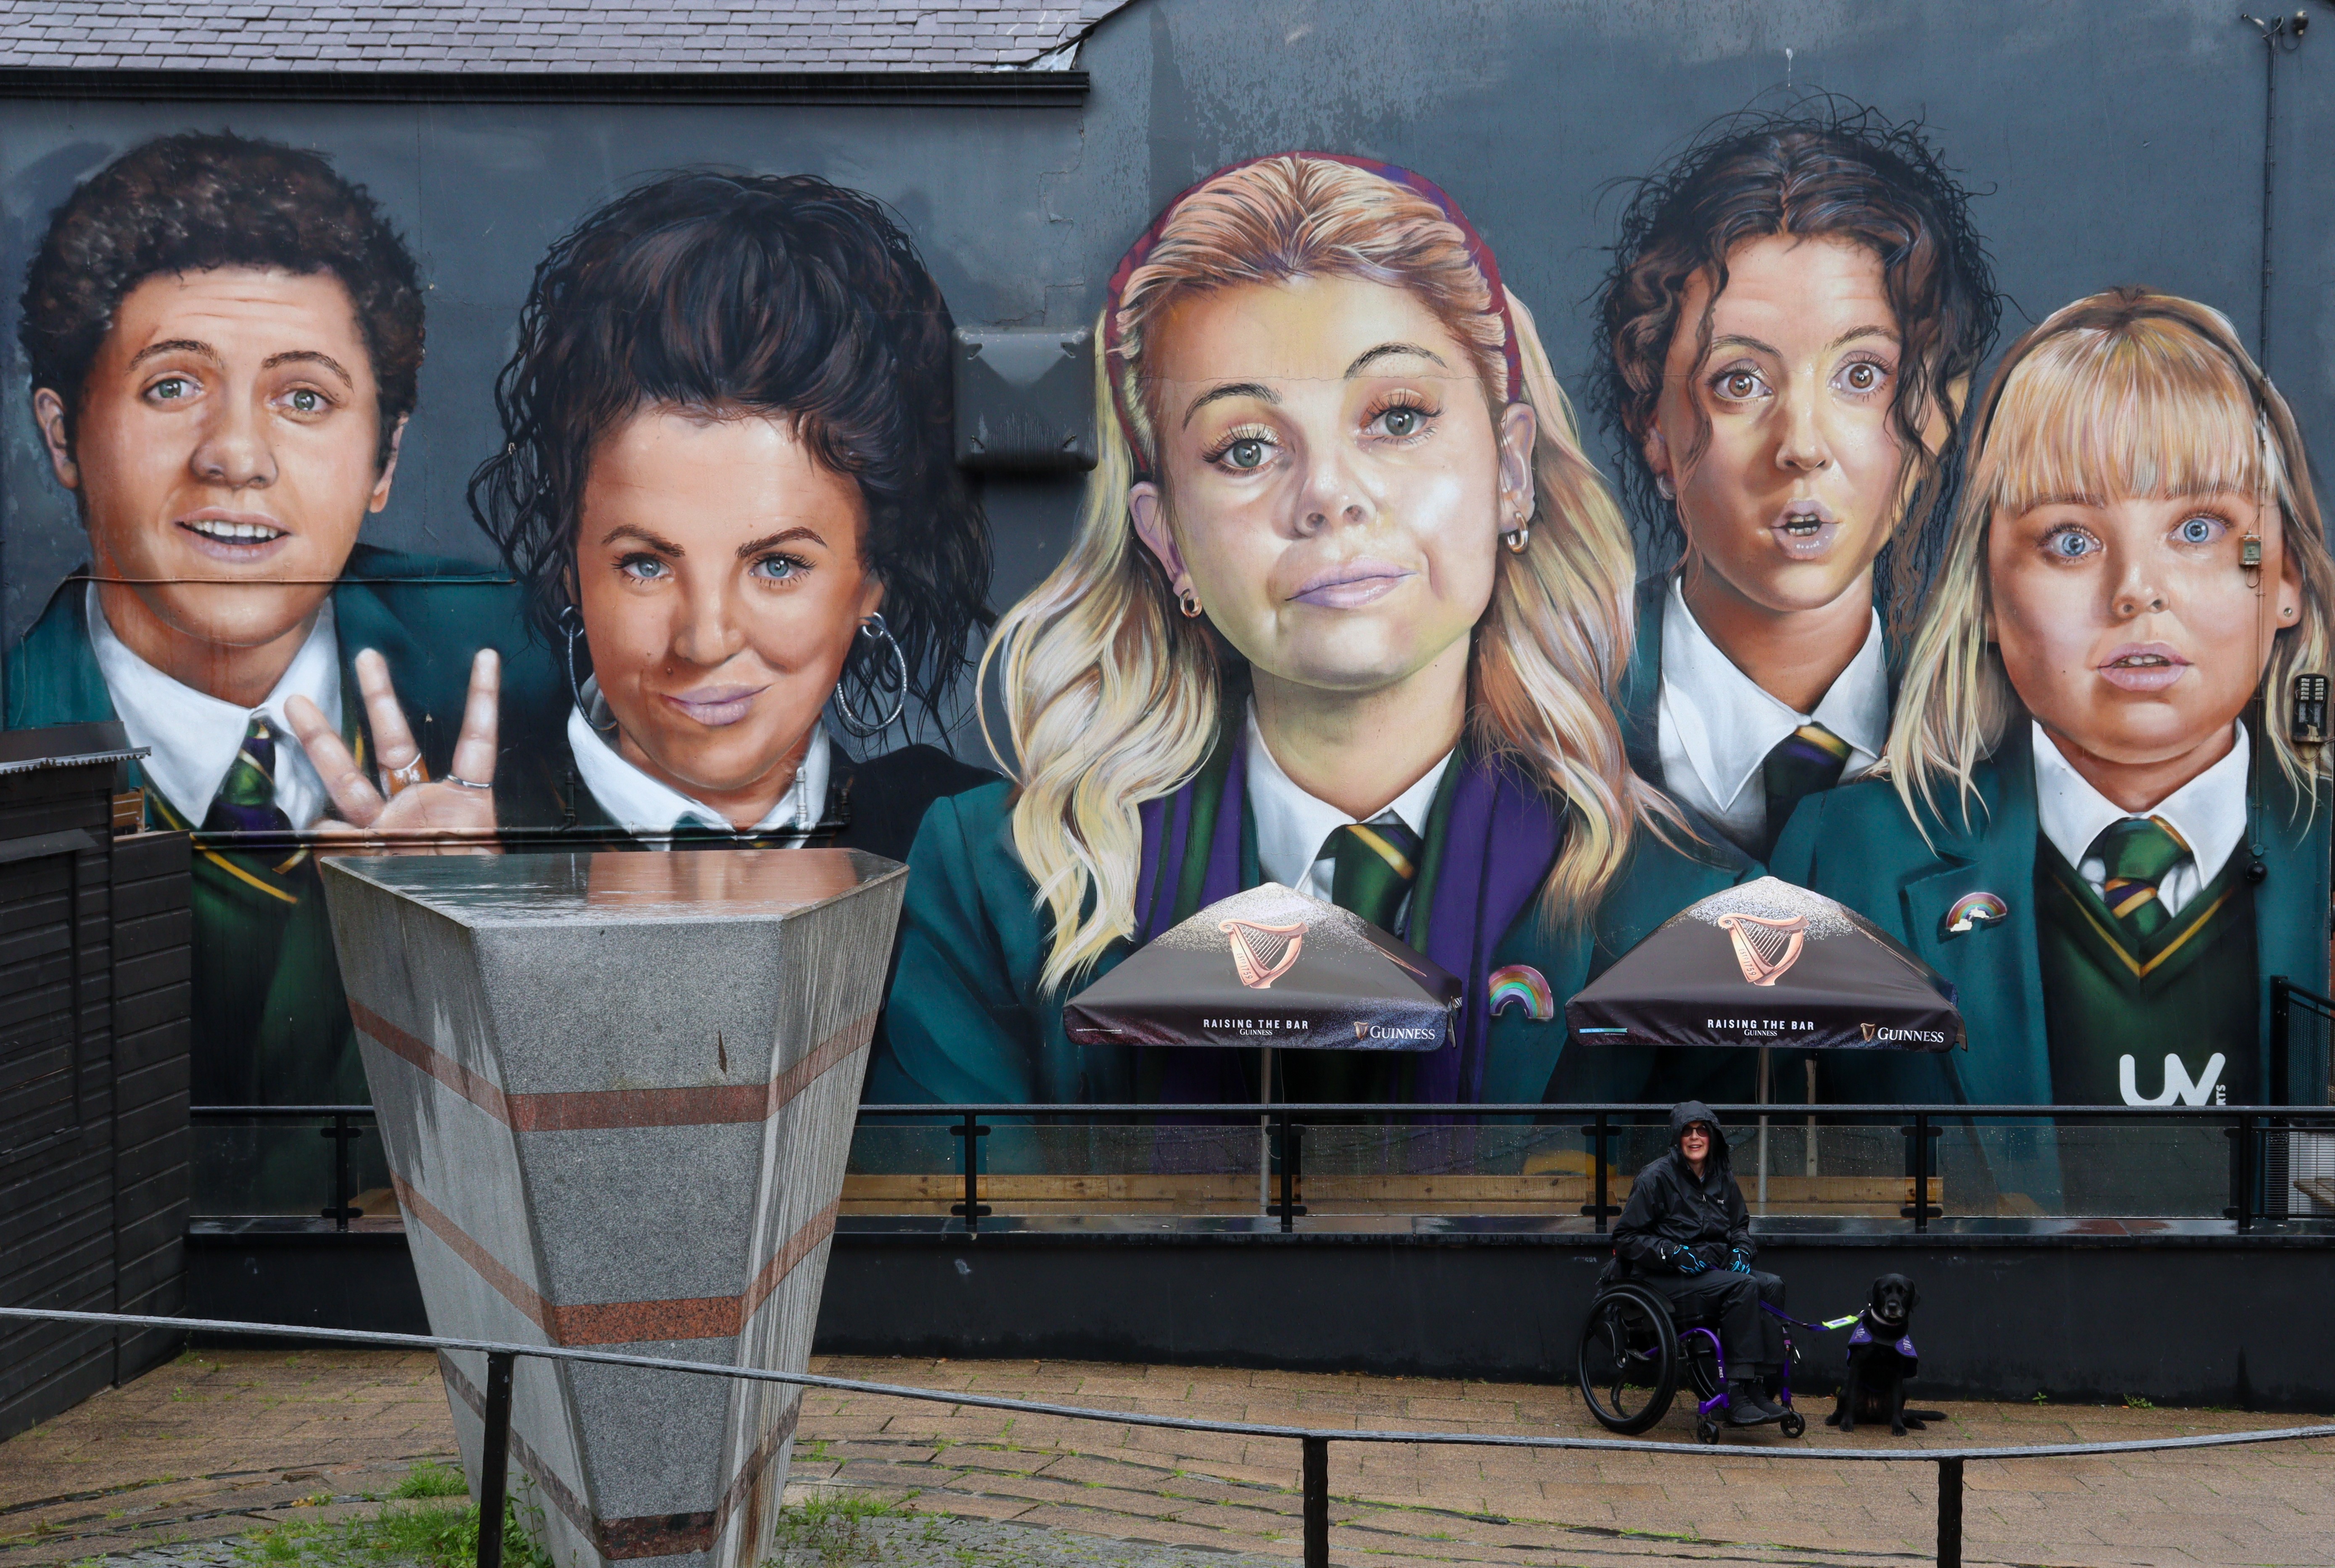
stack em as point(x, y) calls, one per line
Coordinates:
point(270, 1024)
point(968, 1021)
point(1856, 844)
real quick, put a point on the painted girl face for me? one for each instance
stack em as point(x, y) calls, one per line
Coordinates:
point(2127, 626)
point(1797, 489)
point(1334, 481)
point(719, 570)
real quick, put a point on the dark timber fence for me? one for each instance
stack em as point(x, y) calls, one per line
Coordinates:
point(1313, 1470)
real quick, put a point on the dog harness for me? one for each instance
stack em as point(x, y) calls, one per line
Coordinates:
point(1861, 1335)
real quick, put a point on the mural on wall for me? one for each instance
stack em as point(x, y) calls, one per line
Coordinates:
point(2001, 662)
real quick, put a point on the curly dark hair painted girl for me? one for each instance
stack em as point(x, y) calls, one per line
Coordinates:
point(778, 296)
point(1825, 169)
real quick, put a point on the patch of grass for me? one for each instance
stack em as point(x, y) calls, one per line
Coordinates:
point(832, 1530)
point(2135, 1403)
point(435, 1534)
point(2041, 1398)
point(428, 1478)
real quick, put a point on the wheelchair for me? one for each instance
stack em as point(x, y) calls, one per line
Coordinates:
point(1633, 1355)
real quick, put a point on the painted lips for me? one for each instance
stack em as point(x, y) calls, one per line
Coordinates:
point(1805, 528)
point(2143, 667)
point(1351, 585)
point(715, 706)
point(227, 536)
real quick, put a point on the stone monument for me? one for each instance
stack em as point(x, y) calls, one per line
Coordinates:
point(617, 1089)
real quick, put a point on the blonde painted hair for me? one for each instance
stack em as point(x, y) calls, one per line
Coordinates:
point(2124, 393)
point(1112, 698)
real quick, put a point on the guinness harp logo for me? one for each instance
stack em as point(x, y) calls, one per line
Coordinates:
point(1869, 1029)
point(1766, 948)
point(1262, 954)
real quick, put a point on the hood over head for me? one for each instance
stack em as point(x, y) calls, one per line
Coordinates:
point(1685, 1114)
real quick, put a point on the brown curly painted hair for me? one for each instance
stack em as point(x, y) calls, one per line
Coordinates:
point(199, 201)
point(1824, 168)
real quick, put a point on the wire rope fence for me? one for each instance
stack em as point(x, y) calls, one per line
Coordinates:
point(1314, 1468)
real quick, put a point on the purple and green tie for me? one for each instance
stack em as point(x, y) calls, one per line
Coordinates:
point(2138, 852)
point(1376, 863)
point(246, 801)
point(1810, 758)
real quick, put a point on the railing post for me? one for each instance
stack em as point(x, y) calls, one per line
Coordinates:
point(2282, 1014)
point(972, 1208)
point(1286, 1137)
point(494, 1458)
point(1317, 1502)
point(1600, 1205)
point(340, 1132)
point(1918, 1158)
point(2242, 1173)
point(1950, 1514)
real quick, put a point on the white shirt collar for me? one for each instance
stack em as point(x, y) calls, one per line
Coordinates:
point(1292, 824)
point(195, 736)
point(648, 807)
point(1717, 725)
point(2209, 812)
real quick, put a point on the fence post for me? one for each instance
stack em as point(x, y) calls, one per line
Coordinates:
point(1317, 1502)
point(494, 1458)
point(1950, 1514)
point(1918, 1158)
point(340, 1132)
point(1286, 1137)
point(2281, 1012)
point(1600, 1200)
point(972, 1208)
point(2241, 1171)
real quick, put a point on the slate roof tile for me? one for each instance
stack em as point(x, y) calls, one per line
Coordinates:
point(543, 34)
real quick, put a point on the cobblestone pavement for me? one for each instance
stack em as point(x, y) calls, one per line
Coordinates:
point(220, 1442)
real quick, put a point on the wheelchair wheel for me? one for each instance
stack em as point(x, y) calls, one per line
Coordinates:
point(1628, 1362)
point(1793, 1424)
point(1706, 1429)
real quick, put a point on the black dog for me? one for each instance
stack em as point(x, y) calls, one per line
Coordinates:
point(1881, 1357)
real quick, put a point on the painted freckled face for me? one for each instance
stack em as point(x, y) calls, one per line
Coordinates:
point(2128, 627)
point(1336, 480)
point(722, 578)
point(224, 453)
point(1797, 487)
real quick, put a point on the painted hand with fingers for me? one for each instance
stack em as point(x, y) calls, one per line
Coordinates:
point(404, 803)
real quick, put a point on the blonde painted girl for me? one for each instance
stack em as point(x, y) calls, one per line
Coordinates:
point(2097, 823)
point(1344, 611)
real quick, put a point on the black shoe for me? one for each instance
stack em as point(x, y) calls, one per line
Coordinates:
point(1745, 1407)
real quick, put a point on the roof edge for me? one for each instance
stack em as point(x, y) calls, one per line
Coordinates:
point(1000, 88)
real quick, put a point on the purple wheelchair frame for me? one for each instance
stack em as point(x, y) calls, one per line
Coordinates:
point(1718, 1402)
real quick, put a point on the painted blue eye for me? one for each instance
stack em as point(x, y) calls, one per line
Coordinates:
point(1400, 422)
point(2070, 545)
point(1246, 454)
point(2199, 531)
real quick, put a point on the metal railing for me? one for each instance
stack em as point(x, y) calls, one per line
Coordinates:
point(1313, 1470)
point(2250, 1130)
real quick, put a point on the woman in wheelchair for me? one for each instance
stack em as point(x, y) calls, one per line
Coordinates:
point(1685, 1233)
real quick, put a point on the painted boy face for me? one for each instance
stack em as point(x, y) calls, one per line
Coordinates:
point(224, 457)
point(1797, 489)
point(719, 572)
point(2130, 629)
point(1334, 483)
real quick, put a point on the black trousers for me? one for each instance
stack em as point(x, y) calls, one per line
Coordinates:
point(1753, 1341)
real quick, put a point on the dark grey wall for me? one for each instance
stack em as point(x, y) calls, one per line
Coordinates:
point(2118, 141)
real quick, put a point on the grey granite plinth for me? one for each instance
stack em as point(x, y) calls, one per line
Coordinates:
point(616, 1090)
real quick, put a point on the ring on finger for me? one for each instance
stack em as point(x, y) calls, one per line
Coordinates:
point(405, 778)
point(461, 783)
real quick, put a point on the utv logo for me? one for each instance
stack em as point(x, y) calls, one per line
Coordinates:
point(1394, 1032)
point(1881, 1034)
point(2177, 1083)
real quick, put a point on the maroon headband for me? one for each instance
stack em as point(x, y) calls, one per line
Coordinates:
point(1394, 174)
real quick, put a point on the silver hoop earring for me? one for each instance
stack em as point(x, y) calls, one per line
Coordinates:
point(571, 627)
point(1189, 603)
point(873, 687)
point(1664, 489)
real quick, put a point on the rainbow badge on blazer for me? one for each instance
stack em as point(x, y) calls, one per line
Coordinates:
point(1521, 983)
point(1972, 911)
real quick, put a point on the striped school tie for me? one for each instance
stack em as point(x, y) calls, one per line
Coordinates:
point(1810, 758)
point(1376, 863)
point(246, 801)
point(2139, 851)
